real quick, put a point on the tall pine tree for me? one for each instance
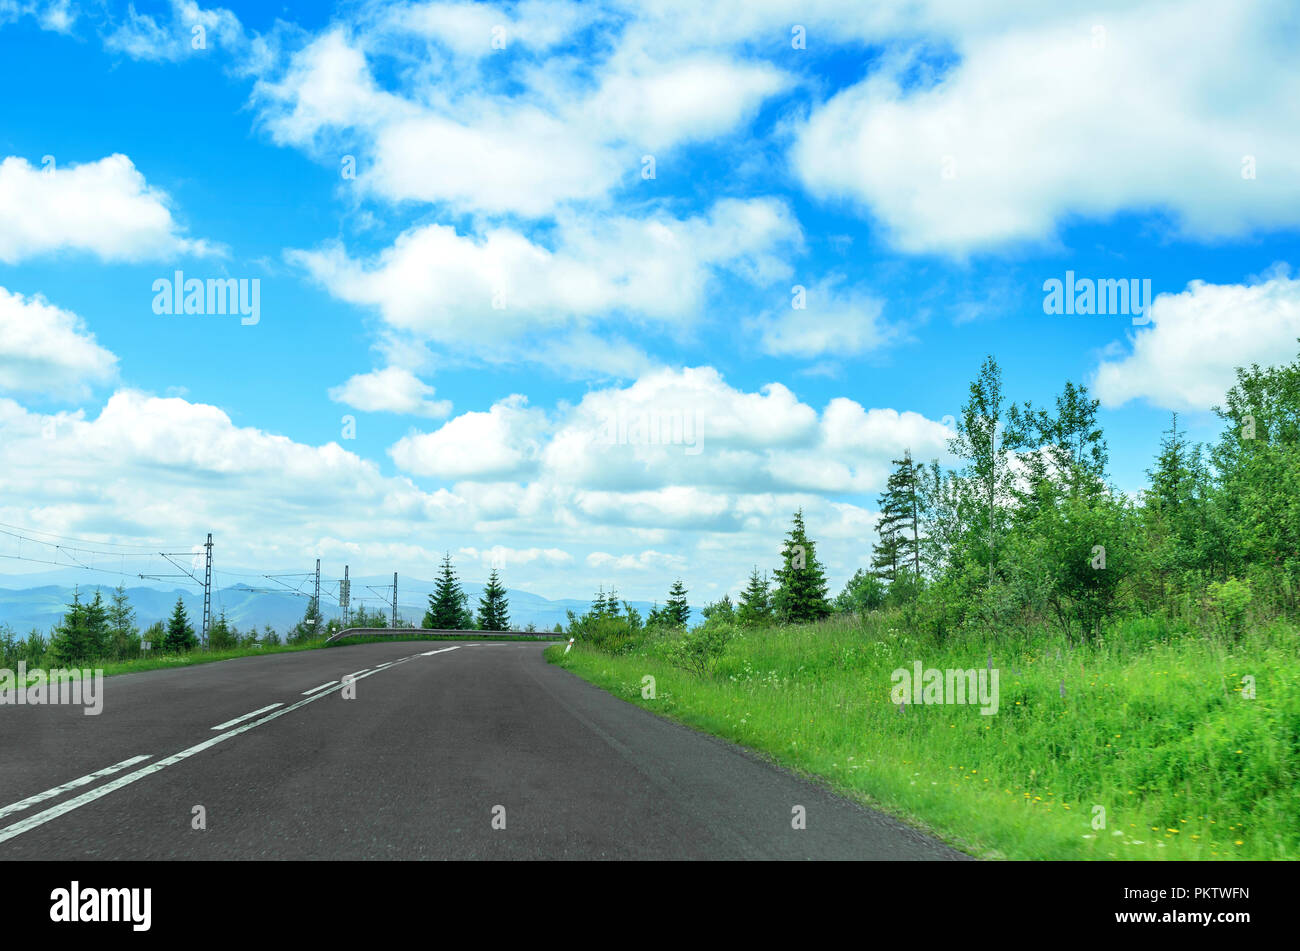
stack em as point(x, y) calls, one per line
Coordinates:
point(124, 636)
point(448, 605)
point(180, 633)
point(755, 608)
point(493, 608)
point(897, 555)
point(677, 612)
point(71, 639)
point(800, 593)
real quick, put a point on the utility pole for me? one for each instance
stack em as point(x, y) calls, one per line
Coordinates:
point(207, 590)
point(316, 596)
point(344, 595)
point(391, 589)
point(189, 573)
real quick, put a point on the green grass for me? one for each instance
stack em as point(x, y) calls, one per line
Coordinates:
point(1153, 726)
point(160, 661)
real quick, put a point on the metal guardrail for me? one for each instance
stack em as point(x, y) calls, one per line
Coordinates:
point(415, 631)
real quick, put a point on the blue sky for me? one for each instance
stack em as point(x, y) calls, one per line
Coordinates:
point(919, 169)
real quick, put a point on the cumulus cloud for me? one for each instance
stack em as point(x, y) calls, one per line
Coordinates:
point(47, 350)
point(438, 283)
point(504, 441)
point(672, 445)
point(1082, 115)
point(147, 467)
point(1186, 358)
point(390, 390)
point(105, 208)
point(445, 135)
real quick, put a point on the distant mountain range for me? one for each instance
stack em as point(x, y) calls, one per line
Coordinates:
point(42, 606)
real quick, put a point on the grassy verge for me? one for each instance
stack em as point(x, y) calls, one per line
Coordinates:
point(158, 661)
point(1151, 725)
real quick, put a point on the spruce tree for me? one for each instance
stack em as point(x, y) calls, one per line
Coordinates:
point(180, 633)
point(1171, 482)
point(309, 628)
point(898, 551)
point(448, 605)
point(677, 612)
point(70, 640)
point(800, 593)
point(755, 607)
point(720, 610)
point(84, 633)
point(493, 608)
point(220, 637)
point(98, 633)
point(124, 636)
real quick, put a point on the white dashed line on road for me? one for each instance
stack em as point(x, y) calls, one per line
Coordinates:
point(54, 812)
point(246, 716)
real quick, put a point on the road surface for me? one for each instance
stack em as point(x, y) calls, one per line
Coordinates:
point(440, 740)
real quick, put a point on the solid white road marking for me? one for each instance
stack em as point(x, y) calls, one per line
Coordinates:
point(80, 781)
point(321, 687)
point(246, 716)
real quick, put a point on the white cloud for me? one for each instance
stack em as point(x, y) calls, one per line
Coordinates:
point(105, 208)
point(327, 87)
point(142, 37)
point(450, 287)
point(155, 469)
point(832, 322)
point(1186, 358)
point(649, 559)
point(57, 16)
point(170, 468)
point(1041, 125)
point(568, 131)
point(503, 557)
point(502, 442)
point(44, 349)
point(390, 390)
point(679, 446)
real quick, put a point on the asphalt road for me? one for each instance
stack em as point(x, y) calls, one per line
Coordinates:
point(413, 768)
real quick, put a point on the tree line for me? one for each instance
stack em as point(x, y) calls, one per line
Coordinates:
point(1027, 529)
point(1028, 526)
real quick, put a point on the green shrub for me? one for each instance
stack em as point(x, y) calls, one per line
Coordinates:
point(699, 651)
point(1229, 601)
